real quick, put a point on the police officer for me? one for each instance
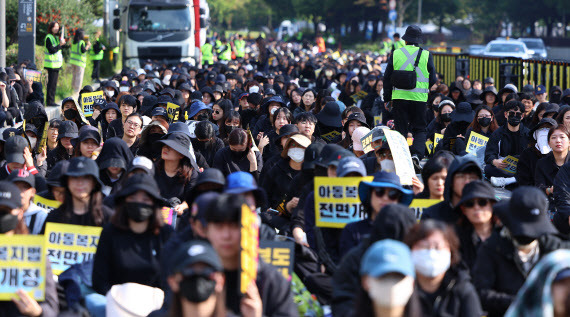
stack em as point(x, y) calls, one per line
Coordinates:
point(207, 53)
point(53, 60)
point(78, 60)
point(239, 44)
point(409, 104)
point(96, 55)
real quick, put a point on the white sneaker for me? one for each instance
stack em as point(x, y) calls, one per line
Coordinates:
point(499, 181)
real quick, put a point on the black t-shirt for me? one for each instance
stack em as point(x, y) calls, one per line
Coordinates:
point(58, 215)
point(173, 186)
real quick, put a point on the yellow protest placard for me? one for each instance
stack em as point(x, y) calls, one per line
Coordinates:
point(402, 157)
point(436, 138)
point(43, 140)
point(87, 101)
point(253, 145)
point(70, 244)
point(330, 136)
point(22, 266)
point(366, 140)
point(280, 254)
point(476, 141)
point(429, 146)
point(378, 120)
point(45, 203)
point(249, 244)
point(410, 141)
point(512, 163)
point(34, 75)
point(418, 206)
point(337, 202)
point(173, 111)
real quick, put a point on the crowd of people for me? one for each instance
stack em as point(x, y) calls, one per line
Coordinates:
point(257, 130)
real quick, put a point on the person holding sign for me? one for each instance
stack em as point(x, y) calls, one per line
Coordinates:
point(484, 122)
point(442, 119)
point(508, 140)
point(454, 136)
point(270, 295)
point(53, 60)
point(11, 225)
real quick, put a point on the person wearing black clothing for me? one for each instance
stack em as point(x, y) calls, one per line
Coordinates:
point(130, 246)
point(510, 139)
point(67, 130)
point(463, 170)
point(113, 161)
point(538, 143)
point(548, 166)
point(267, 111)
point(267, 145)
point(279, 142)
point(505, 260)
point(206, 142)
point(239, 155)
point(441, 120)
point(397, 220)
point(83, 202)
point(109, 113)
point(454, 137)
point(152, 132)
point(131, 131)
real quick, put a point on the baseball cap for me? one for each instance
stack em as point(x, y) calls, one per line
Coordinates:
point(14, 149)
point(387, 256)
point(10, 195)
point(540, 89)
point(350, 164)
point(195, 251)
point(22, 175)
point(143, 163)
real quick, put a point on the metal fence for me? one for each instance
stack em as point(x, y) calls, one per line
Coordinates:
point(504, 70)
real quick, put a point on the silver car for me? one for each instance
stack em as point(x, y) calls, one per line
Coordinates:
point(536, 45)
point(507, 48)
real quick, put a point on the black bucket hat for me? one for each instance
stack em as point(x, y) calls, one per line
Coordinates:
point(330, 115)
point(474, 97)
point(463, 112)
point(139, 181)
point(286, 130)
point(111, 105)
point(541, 123)
point(413, 35)
point(477, 189)
point(67, 129)
point(355, 116)
point(87, 134)
point(488, 90)
point(81, 166)
point(551, 108)
point(211, 175)
point(179, 142)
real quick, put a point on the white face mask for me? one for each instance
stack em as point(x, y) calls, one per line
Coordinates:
point(110, 93)
point(431, 262)
point(166, 80)
point(365, 72)
point(296, 154)
point(390, 291)
point(356, 71)
point(273, 111)
point(33, 142)
point(388, 166)
point(541, 137)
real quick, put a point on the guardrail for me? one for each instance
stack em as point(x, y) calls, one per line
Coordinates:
point(504, 70)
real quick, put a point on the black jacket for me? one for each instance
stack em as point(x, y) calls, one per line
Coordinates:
point(504, 142)
point(208, 149)
point(227, 162)
point(498, 273)
point(562, 199)
point(434, 127)
point(115, 153)
point(469, 243)
point(59, 153)
point(456, 296)
point(115, 128)
point(527, 166)
point(58, 215)
point(546, 170)
point(277, 183)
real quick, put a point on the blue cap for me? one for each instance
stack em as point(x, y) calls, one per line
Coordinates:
point(387, 256)
point(240, 182)
point(196, 107)
point(350, 164)
point(385, 180)
point(540, 89)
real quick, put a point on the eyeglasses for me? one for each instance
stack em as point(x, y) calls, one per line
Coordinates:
point(393, 194)
point(133, 124)
point(517, 114)
point(482, 202)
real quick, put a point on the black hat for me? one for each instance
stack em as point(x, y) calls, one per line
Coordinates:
point(163, 99)
point(22, 175)
point(327, 151)
point(10, 195)
point(81, 166)
point(526, 215)
point(31, 128)
point(212, 76)
point(211, 175)
point(87, 134)
point(463, 112)
point(551, 108)
point(101, 103)
point(335, 157)
point(179, 142)
point(312, 153)
point(528, 89)
point(219, 88)
point(139, 181)
point(474, 97)
point(378, 134)
point(541, 123)
point(167, 91)
point(286, 130)
point(201, 205)
point(477, 189)
point(279, 79)
point(54, 178)
point(9, 132)
point(196, 95)
point(254, 98)
point(355, 116)
point(413, 35)
point(330, 115)
point(11, 73)
point(68, 129)
point(142, 163)
point(488, 90)
point(489, 80)
point(159, 111)
point(14, 149)
point(195, 251)
point(185, 86)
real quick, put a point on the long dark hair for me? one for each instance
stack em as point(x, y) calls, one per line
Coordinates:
point(51, 25)
point(79, 36)
point(95, 205)
point(184, 171)
point(476, 127)
point(439, 162)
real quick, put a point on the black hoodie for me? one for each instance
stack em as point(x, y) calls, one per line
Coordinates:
point(115, 153)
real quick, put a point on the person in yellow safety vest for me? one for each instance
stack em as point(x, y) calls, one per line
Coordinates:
point(385, 46)
point(225, 51)
point(239, 44)
point(96, 55)
point(398, 43)
point(409, 98)
point(207, 54)
point(53, 60)
point(116, 52)
point(78, 60)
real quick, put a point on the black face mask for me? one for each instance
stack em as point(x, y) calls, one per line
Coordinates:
point(435, 107)
point(8, 222)
point(461, 127)
point(238, 155)
point(446, 117)
point(153, 137)
point(197, 288)
point(555, 98)
point(514, 121)
point(202, 117)
point(484, 122)
point(229, 128)
point(138, 212)
point(70, 114)
point(248, 113)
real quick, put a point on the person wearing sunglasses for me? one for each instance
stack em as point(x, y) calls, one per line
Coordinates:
point(477, 222)
point(510, 139)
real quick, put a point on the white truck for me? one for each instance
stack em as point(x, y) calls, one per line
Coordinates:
point(165, 31)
